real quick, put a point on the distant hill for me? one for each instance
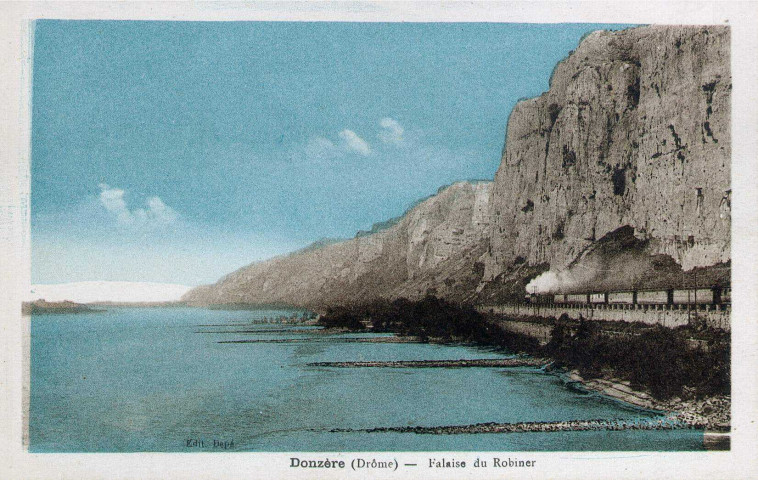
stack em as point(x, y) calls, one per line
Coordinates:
point(42, 306)
point(431, 249)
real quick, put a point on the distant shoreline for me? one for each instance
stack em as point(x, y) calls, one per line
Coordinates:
point(166, 304)
point(41, 306)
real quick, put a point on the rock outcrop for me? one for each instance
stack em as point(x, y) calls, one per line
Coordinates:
point(632, 136)
point(433, 248)
point(635, 130)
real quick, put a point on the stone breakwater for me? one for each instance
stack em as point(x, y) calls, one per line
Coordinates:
point(486, 362)
point(331, 340)
point(667, 423)
point(264, 331)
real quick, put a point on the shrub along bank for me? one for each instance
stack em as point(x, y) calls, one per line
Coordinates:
point(658, 359)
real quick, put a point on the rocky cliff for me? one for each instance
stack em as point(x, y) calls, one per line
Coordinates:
point(633, 136)
point(433, 248)
point(635, 130)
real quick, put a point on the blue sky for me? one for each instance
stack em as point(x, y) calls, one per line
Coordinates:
point(180, 151)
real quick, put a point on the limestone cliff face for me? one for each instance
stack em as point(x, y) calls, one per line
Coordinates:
point(432, 249)
point(635, 130)
point(633, 135)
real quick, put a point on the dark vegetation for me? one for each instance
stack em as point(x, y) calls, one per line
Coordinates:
point(658, 359)
point(429, 319)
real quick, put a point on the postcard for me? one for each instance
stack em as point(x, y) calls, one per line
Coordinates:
point(382, 240)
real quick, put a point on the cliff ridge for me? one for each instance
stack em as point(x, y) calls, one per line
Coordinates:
point(632, 139)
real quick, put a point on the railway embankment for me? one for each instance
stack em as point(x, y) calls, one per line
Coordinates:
point(671, 316)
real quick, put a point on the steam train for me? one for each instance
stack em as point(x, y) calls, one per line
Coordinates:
point(715, 295)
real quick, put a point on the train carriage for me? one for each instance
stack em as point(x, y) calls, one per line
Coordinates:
point(622, 298)
point(539, 299)
point(715, 295)
point(692, 296)
point(653, 297)
point(577, 298)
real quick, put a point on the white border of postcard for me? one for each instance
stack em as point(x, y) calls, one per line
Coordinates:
point(15, 32)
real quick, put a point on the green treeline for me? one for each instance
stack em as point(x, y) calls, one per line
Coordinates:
point(658, 359)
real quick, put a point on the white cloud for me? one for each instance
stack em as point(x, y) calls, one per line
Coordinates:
point(156, 213)
point(392, 131)
point(113, 201)
point(353, 142)
point(320, 148)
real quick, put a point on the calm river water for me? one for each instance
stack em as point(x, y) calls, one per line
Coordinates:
point(156, 379)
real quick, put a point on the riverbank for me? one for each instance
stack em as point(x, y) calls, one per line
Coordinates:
point(654, 368)
point(711, 413)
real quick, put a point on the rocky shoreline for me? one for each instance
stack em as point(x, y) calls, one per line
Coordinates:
point(712, 413)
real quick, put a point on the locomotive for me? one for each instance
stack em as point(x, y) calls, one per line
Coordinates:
point(716, 295)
